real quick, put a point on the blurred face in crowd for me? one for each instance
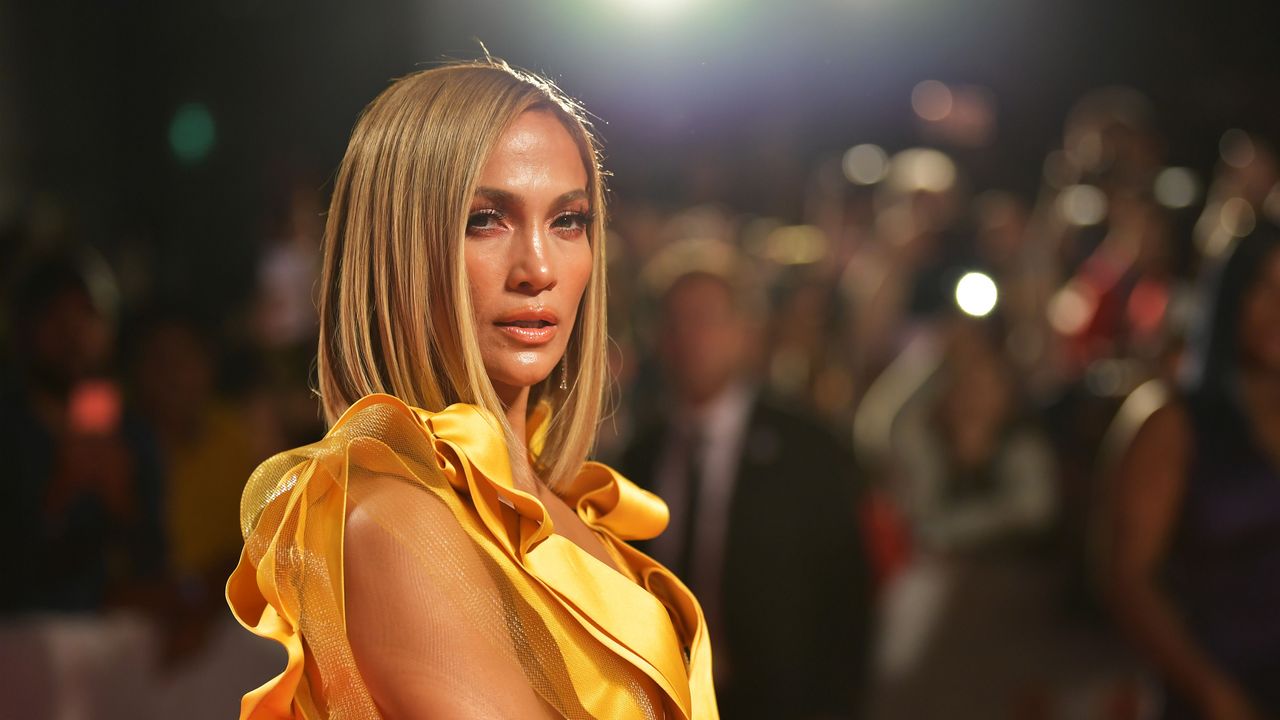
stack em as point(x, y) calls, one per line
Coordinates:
point(704, 337)
point(528, 256)
point(70, 338)
point(1260, 320)
point(173, 375)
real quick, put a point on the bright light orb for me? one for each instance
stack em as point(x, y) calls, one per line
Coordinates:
point(1083, 205)
point(922, 169)
point(865, 164)
point(976, 294)
point(1176, 188)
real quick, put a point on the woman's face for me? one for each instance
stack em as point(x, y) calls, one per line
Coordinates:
point(527, 253)
point(1260, 319)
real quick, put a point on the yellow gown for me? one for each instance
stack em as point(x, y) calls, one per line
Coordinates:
point(591, 640)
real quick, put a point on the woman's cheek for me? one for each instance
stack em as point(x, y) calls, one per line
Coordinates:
point(582, 270)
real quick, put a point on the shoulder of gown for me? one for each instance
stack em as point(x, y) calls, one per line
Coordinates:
point(293, 512)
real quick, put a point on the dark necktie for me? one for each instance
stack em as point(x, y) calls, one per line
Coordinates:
point(693, 446)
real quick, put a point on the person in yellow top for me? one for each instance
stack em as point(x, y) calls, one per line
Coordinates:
point(446, 551)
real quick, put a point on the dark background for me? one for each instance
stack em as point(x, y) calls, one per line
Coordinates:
point(714, 114)
point(88, 90)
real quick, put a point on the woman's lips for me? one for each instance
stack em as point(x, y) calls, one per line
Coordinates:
point(529, 332)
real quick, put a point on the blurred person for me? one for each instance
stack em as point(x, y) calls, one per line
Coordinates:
point(763, 516)
point(975, 466)
point(206, 445)
point(1110, 142)
point(1108, 324)
point(1192, 551)
point(1121, 290)
point(1110, 150)
point(285, 322)
point(288, 270)
point(971, 624)
point(809, 349)
point(1111, 139)
point(445, 550)
point(83, 493)
point(278, 349)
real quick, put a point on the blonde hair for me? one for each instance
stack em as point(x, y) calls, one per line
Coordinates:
point(395, 309)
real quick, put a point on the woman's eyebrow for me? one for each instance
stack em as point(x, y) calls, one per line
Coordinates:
point(509, 199)
point(499, 197)
point(570, 196)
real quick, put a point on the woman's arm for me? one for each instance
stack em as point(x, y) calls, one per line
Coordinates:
point(424, 619)
point(1147, 495)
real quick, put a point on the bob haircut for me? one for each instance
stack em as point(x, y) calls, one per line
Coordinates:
point(395, 309)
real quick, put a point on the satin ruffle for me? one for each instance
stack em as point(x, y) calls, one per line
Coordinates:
point(650, 620)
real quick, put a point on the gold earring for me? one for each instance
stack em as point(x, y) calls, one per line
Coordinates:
point(564, 373)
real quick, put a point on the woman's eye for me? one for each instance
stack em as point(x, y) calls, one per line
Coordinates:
point(483, 220)
point(572, 221)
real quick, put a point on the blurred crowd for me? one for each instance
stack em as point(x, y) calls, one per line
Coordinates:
point(986, 370)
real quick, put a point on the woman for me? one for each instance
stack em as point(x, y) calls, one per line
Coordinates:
point(445, 551)
point(1194, 561)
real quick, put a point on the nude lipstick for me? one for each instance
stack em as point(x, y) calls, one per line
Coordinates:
point(529, 326)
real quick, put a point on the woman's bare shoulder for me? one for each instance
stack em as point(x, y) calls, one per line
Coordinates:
point(424, 612)
point(381, 507)
point(1158, 454)
point(1165, 429)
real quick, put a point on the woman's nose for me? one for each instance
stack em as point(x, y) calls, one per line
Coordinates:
point(532, 264)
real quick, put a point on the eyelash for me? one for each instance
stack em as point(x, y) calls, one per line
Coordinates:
point(487, 213)
point(581, 218)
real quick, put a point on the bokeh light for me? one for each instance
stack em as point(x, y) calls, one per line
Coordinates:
point(1071, 308)
point(1236, 148)
point(922, 169)
point(1177, 187)
point(976, 294)
point(795, 245)
point(191, 133)
point(865, 164)
point(1083, 205)
point(1237, 217)
point(932, 100)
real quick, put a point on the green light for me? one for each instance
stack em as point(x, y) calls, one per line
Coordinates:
point(191, 133)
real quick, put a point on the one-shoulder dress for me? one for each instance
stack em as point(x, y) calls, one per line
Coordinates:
point(592, 640)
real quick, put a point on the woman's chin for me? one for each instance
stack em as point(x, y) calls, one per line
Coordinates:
point(509, 384)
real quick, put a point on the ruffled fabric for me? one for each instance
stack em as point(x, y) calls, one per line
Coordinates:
point(293, 514)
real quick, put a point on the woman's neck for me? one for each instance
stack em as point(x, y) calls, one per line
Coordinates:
point(515, 403)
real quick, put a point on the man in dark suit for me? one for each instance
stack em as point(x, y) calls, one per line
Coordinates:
point(763, 525)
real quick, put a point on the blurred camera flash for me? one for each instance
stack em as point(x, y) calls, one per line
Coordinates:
point(976, 294)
